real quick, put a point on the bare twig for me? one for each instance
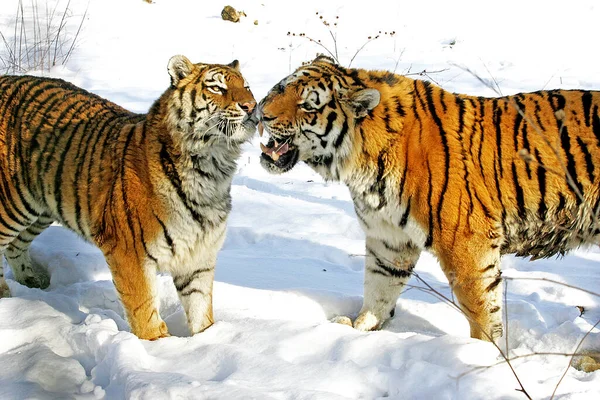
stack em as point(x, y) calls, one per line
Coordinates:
point(571, 359)
point(39, 40)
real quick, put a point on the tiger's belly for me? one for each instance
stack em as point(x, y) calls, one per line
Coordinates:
point(559, 232)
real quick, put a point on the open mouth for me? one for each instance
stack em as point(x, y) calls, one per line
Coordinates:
point(279, 153)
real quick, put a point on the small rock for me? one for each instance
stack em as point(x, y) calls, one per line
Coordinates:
point(231, 14)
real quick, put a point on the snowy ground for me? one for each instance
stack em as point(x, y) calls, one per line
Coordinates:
point(292, 259)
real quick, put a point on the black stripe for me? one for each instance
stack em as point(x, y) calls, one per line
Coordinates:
point(399, 107)
point(495, 283)
point(541, 174)
point(180, 286)
point(438, 122)
point(361, 218)
point(461, 113)
point(9, 227)
point(169, 169)
point(144, 243)
point(82, 152)
point(586, 100)
point(489, 267)
point(497, 123)
point(392, 272)
point(596, 124)
point(519, 193)
point(589, 163)
point(128, 207)
point(429, 240)
point(192, 291)
point(103, 126)
point(330, 120)
point(571, 169)
point(168, 237)
point(340, 139)
point(404, 219)
point(9, 205)
point(58, 180)
point(380, 182)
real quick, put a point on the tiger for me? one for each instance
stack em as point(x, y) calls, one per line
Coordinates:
point(151, 191)
point(465, 178)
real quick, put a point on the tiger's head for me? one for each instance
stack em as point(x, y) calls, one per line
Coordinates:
point(311, 115)
point(209, 103)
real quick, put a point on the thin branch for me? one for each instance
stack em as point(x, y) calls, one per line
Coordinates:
point(571, 359)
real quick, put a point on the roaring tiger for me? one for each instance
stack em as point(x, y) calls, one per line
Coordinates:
point(465, 178)
point(151, 191)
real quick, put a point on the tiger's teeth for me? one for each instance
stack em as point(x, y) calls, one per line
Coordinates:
point(274, 156)
point(276, 143)
point(261, 129)
point(264, 149)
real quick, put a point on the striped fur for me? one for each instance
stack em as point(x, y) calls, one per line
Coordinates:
point(151, 191)
point(466, 178)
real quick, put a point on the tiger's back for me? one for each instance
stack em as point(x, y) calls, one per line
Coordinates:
point(525, 161)
point(57, 140)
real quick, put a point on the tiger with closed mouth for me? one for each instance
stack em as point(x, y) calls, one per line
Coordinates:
point(465, 178)
point(151, 191)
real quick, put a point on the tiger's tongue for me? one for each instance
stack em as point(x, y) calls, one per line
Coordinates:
point(275, 151)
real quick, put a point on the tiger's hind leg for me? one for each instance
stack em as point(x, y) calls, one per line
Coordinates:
point(24, 269)
point(11, 226)
point(475, 277)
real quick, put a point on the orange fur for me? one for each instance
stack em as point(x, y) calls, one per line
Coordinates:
point(466, 178)
point(126, 182)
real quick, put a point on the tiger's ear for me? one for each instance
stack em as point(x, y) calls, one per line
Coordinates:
point(235, 64)
point(323, 58)
point(363, 101)
point(179, 67)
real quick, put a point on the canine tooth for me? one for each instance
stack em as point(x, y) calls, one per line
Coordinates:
point(275, 156)
point(261, 129)
point(264, 148)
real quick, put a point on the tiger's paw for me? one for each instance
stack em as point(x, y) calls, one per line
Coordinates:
point(367, 321)
point(31, 274)
point(41, 281)
point(153, 333)
point(4, 290)
point(342, 320)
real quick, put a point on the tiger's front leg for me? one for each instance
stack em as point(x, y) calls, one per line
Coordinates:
point(388, 266)
point(194, 288)
point(135, 282)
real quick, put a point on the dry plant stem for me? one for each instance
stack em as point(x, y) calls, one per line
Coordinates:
point(553, 281)
point(455, 306)
point(519, 357)
point(360, 49)
point(571, 358)
point(504, 356)
point(68, 56)
point(39, 41)
point(505, 314)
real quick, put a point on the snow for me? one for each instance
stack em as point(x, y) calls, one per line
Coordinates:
point(293, 255)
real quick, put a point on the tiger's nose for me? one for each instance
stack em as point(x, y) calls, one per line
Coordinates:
point(248, 107)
